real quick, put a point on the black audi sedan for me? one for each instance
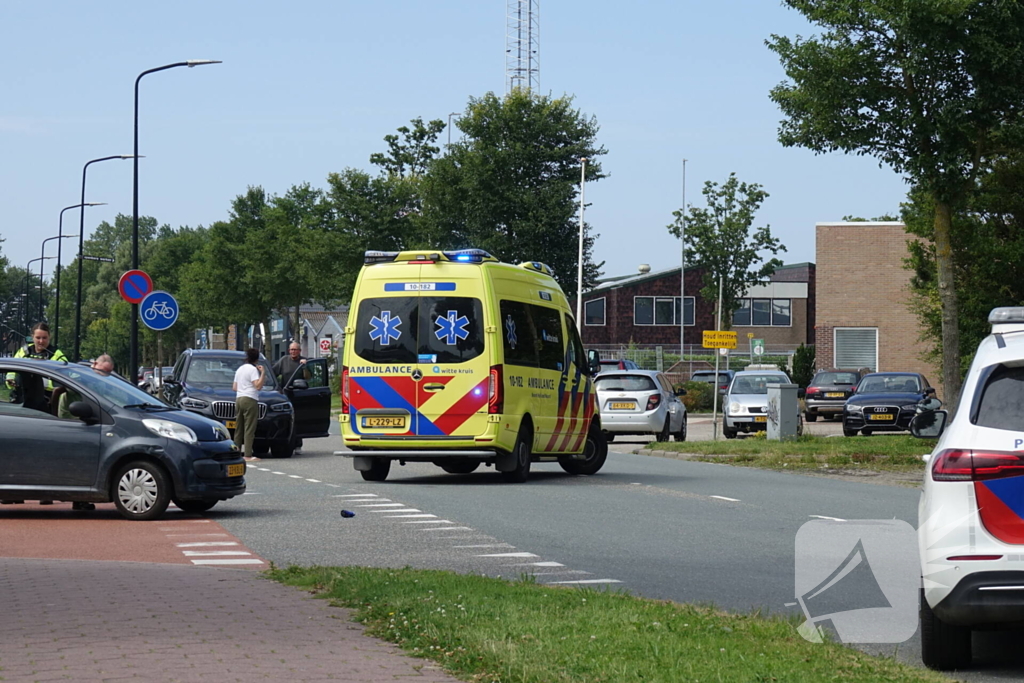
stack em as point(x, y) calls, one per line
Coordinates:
point(70, 433)
point(300, 409)
point(884, 402)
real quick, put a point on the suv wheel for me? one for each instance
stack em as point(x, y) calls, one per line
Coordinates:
point(811, 417)
point(282, 449)
point(141, 491)
point(849, 432)
point(943, 646)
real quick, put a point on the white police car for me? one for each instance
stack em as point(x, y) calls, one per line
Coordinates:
point(971, 514)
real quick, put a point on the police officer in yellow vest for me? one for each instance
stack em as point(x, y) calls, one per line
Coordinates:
point(40, 349)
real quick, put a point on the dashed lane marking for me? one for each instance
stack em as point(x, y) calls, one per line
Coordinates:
point(509, 555)
point(429, 521)
point(831, 519)
point(731, 500)
point(448, 528)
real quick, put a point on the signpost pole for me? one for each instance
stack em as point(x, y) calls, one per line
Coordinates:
point(718, 356)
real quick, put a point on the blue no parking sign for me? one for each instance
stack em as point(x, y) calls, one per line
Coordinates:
point(159, 310)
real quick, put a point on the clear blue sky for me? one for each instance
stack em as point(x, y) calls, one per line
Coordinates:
point(309, 88)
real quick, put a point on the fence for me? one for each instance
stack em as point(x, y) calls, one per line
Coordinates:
point(680, 367)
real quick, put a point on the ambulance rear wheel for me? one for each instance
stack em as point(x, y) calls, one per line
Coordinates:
point(595, 448)
point(379, 468)
point(522, 457)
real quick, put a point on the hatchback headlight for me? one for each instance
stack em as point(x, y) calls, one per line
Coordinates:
point(735, 408)
point(285, 407)
point(171, 430)
point(194, 403)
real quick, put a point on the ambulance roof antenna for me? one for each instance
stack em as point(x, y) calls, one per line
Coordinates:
point(522, 45)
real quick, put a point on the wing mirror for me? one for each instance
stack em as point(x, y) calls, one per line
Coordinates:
point(83, 411)
point(593, 361)
point(680, 392)
point(929, 424)
point(299, 384)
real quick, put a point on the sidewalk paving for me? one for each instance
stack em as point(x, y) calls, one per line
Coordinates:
point(88, 621)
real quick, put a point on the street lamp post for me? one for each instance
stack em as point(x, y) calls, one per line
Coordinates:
point(579, 263)
point(42, 252)
point(133, 341)
point(682, 278)
point(81, 251)
point(28, 275)
point(60, 232)
point(454, 113)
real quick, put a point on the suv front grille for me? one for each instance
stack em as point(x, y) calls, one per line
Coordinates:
point(225, 410)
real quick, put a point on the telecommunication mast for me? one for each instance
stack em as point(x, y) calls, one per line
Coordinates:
point(522, 45)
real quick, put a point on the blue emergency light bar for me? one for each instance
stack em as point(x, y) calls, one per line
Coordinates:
point(469, 256)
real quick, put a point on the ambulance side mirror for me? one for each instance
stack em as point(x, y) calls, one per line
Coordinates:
point(593, 361)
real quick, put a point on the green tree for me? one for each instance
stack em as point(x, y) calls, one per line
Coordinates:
point(803, 365)
point(930, 88)
point(719, 239)
point(410, 154)
point(511, 185)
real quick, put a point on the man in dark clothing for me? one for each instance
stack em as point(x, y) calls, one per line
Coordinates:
point(285, 368)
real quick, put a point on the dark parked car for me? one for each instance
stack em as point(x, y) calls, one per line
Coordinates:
point(300, 409)
point(609, 364)
point(118, 444)
point(724, 378)
point(884, 402)
point(827, 393)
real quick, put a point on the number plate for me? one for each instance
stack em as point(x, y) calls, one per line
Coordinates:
point(627, 405)
point(886, 417)
point(389, 422)
point(230, 424)
point(760, 418)
point(236, 470)
point(834, 394)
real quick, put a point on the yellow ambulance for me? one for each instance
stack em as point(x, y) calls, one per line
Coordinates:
point(454, 358)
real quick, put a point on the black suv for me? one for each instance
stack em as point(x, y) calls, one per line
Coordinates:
point(298, 409)
point(106, 441)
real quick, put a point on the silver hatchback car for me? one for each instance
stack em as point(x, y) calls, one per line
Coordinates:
point(745, 405)
point(640, 402)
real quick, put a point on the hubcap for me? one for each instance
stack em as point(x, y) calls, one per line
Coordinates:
point(137, 491)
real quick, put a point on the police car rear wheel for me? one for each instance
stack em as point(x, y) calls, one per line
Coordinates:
point(596, 450)
point(943, 646)
point(379, 468)
point(522, 457)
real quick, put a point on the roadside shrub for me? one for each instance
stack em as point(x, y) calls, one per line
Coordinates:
point(803, 365)
point(698, 396)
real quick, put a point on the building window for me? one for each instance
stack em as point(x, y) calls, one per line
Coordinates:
point(593, 312)
point(661, 310)
point(763, 313)
point(855, 348)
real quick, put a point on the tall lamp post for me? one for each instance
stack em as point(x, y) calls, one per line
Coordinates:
point(133, 341)
point(42, 252)
point(81, 251)
point(454, 113)
point(579, 263)
point(28, 275)
point(682, 278)
point(60, 233)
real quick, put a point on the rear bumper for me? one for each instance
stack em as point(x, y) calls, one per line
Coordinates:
point(824, 406)
point(632, 423)
point(993, 598)
point(746, 423)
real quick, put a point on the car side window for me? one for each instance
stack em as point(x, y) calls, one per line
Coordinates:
point(575, 351)
point(317, 374)
point(24, 393)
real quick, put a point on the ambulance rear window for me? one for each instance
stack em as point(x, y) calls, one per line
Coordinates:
point(419, 329)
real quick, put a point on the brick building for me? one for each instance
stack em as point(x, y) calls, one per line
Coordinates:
point(645, 309)
point(863, 317)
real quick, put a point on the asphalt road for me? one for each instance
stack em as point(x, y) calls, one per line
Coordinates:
point(685, 531)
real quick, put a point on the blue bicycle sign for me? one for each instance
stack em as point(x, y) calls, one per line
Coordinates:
point(159, 310)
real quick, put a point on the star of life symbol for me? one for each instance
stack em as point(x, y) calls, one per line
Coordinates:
point(384, 328)
point(510, 326)
point(451, 327)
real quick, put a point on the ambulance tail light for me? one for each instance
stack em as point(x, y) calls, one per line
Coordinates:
point(653, 401)
point(495, 391)
point(345, 395)
point(964, 465)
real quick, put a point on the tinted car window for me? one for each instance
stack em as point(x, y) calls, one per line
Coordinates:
point(835, 378)
point(551, 348)
point(874, 384)
point(385, 331)
point(756, 384)
point(625, 383)
point(219, 371)
point(451, 329)
point(709, 377)
point(114, 390)
point(1001, 403)
point(518, 337)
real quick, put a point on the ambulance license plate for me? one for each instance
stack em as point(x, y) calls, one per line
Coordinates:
point(627, 405)
point(230, 424)
point(760, 418)
point(236, 470)
point(884, 417)
point(390, 422)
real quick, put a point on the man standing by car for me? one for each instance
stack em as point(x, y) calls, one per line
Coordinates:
point(285, 368)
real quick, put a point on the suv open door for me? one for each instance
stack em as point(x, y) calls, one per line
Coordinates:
point(309, 390)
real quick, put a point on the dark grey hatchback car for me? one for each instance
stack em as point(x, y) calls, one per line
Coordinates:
point(107, 441)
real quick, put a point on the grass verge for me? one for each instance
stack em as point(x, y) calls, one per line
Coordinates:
point(489, 630)
point(890, 452)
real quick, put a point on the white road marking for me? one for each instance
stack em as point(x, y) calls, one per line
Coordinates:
point(206, 544)
point(253, 493)
point(196, 535)
point(582, 581)
point(294, 476)
point(227, 561)
point(401, 509)
point(336, 486)
point(315, 481)
point(214, 553)
point(731, 500)
point(509, 555)
point(277, 472)
point(833, 519)
point(379, 505)
point(486, 545)
point(448, 528)
point(430, 521)
point(357, 495)
point(400, 516)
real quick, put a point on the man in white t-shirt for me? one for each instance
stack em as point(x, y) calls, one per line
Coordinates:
point(248, 382)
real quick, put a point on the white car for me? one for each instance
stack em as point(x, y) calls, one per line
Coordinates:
point(971, 513)
point(640, 402)
point(745, 404)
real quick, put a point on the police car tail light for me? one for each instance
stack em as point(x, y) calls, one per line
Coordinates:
point(965, 465)
point(653, 401)
point(344, 389)
point(495, 391)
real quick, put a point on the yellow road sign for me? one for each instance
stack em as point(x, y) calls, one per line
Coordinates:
point(719, 339)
